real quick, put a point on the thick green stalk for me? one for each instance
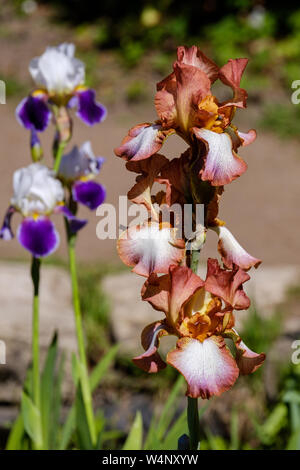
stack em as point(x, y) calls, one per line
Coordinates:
point(86, 391)
point(58, 155)
point(192, 408)
point(35, 275)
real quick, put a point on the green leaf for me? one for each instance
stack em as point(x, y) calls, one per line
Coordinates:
point(83, 432)
point(102, 366)
point(15, 438)
point(57, 403)
point(32, 420)
point(68, 429)
point(291, 397)
point(75, 372)
point(95, 378)
point(47, 389)
point(158, 429)
point(277, 419)
point(215, 442)
point(234, 430)
point(179, 427)
point(294, 441)
point(135, 437)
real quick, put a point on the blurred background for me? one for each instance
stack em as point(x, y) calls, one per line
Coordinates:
point(127, 48)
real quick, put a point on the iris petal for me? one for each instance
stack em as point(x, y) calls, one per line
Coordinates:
point(89, 111)
point(33, 113)
point(38, 236)
point(89, 193)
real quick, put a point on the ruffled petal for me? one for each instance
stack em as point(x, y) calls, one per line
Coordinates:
point(247, 137)
point(165, 101)
point(207, 366)
point(150, 248)
point(89, 111)
point(176, 177)
point(38, 236)
point(89, 193)
point(230, 74)
point(248, 361)
point(79, 162)
point(227, 284)
point(75, 223)
point(156, 291)
point(142, 141)
point(222, 165)
point(150, 361)
point(193, 56)
point(170, 293)
point(140, 193)
point(193, 86)
point(232, 253)
point(33, 113)
point(6, 232)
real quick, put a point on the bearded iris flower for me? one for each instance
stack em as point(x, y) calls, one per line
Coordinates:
point(200, 314)
point(186, 106)
point(77, 171)
point(59, 77)
point(37, 195)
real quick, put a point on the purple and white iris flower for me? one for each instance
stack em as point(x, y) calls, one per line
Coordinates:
point(77, 171)
point(59, 78)
point(37, 195)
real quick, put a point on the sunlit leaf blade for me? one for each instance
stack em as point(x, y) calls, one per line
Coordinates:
point(32, 420)
point(135, 437)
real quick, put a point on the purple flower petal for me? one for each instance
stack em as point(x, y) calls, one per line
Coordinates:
point(89, 193)
point(6, 231)
point(75, 223)
point(89, 110)
point(38, 236)
point(33, 113)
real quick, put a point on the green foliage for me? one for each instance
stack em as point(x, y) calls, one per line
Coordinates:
point(282, 119)
point(41, 428)
point(260, 332)
point(136, 91)
point(165, 427)
point(95, 307)
point(135, 437)
point(13, 87)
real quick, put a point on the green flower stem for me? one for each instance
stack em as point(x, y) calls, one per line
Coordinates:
point(192, 408)
point(58, 155)
point(86, 391)
point(35, 275)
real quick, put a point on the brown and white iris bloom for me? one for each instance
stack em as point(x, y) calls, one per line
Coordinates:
point(200, 314)
point(186, 106)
